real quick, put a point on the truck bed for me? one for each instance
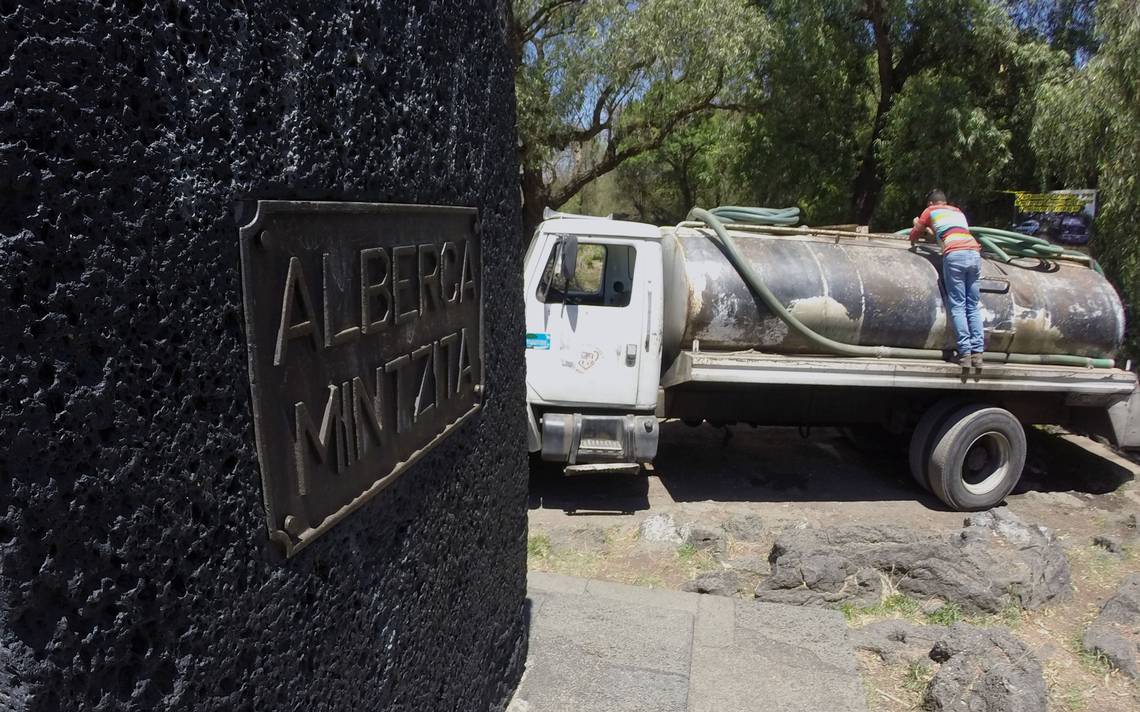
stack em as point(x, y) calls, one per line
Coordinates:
point(1089, 386)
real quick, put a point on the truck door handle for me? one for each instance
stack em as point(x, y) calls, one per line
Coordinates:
point(630, 354)
point(648, 319)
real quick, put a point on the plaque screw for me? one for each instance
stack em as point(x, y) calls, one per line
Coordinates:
point(293, 525)
point(478, 389)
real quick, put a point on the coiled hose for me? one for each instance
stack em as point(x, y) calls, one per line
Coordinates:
point(1004, 245)
point(758, 216)
point(828, 345)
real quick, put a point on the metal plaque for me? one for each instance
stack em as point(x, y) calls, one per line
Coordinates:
point(364, 330)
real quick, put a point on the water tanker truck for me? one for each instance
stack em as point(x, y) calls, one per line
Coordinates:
point(724, 320)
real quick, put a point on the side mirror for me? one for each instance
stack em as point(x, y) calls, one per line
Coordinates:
point(569, 263)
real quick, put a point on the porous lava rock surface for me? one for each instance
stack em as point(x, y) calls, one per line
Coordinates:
point(984, 670)
point(978, 669)
point(995, 559)
point(135, 569)
point(715, 583)
point(897, 641)
point(1115, 633)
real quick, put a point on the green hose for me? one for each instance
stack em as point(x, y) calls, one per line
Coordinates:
point(827, 345)
point(1005, 246)
point(758, 216)
point(1002, 244)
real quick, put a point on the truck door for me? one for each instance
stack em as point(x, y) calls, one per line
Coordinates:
point(588, 341)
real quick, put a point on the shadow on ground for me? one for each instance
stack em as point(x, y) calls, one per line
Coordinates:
point(587, 494)
point(741, 463)
point(1057, 464)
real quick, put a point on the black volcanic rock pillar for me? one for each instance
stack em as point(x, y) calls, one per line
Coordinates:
point(135, 568)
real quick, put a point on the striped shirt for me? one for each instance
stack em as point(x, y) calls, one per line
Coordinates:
point(950, 227)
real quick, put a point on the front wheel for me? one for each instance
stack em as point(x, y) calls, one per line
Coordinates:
point(977, 457)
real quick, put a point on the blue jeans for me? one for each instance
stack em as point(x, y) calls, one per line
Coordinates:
point(961, 270)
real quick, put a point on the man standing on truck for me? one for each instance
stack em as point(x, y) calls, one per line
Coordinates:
point(961, 270)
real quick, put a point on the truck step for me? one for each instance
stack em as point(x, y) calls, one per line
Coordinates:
point(625, 468)
point(599, 445)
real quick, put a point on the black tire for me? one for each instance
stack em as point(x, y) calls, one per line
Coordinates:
point(977, 457)
point(922, 440)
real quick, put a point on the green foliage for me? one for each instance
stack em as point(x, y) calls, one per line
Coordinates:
point(917, 678)
point(900, 603)
point(694, 166)
point(935, 137)
point(601, 81)
point(538, 546)
point(850, 109)
point(815, 107)
point(1094, 660)
point(896, 604)
point(1088, 126)
point(687, 552)
point(948, 614)
point(872, 102)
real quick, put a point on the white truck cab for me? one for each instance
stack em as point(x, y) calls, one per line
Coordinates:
point(593, 339)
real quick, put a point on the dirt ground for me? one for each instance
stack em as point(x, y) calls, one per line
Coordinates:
point(589, 526)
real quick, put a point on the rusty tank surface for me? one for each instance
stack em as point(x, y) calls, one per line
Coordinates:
point(876, 291)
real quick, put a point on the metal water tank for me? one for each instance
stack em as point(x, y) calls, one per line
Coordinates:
point(876, 292)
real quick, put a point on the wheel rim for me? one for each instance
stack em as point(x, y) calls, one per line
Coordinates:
point(986, 463)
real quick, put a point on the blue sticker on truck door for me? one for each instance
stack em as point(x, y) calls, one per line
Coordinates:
point(538, 341)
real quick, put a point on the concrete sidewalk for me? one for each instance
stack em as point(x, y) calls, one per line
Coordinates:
point(598, 646)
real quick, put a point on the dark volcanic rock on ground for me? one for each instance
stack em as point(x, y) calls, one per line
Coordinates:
point(744, 527)
point(980, 669)
point(716, 583)
point(1108, 543)
point(706, 540)
point(896, 641)
point(1116, 631)
point(996, 558)
point(984, 670)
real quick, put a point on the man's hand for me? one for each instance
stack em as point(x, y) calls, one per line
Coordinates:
point(926, 235)
point(914, 229)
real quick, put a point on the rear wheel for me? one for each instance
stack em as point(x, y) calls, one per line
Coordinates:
point(977, 457)
point(922, 440)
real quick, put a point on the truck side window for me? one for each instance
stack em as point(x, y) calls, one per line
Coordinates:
point(602, 277)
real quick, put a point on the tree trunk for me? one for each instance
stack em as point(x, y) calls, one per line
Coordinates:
point(868, 182)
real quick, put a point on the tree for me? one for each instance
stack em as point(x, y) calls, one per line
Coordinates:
point(696, 165)
point(1068, 25)
point(618, 75)
point(1087, 132)
point(812, 110)
point(864, 103)
point(968, 43)
point(965, 126)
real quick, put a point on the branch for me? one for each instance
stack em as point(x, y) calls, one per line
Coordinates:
point(560, 140)
point(685, 111)
point(538, 20)
point(614, 156)
point(731, 106)
point(910, 60)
